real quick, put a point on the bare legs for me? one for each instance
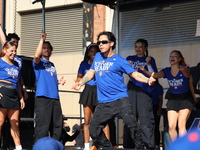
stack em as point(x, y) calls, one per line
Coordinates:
point(88, 110)
point(13, 116)
point(181, 117)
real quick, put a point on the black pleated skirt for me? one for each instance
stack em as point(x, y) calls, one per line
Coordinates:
point(89, 95)
point(181, 101)
point(10, 98)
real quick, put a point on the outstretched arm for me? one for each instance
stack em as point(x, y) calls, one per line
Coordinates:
point(79, 77)
point(159, 74)
point(38, 51)
point(87, 77)
point(141, 78)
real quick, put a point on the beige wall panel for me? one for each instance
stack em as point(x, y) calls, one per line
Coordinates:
point(69, 82)
point(69, 104)
point(23, 5)
point(67, 63)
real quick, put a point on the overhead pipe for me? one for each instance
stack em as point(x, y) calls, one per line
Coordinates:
point(43, 12)
point(3, 14)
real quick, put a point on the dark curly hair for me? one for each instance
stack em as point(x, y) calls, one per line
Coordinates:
point(111, 37)
point(12, 35)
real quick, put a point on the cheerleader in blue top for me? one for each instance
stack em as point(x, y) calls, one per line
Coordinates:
point(140, 95)
point(89, 95)
point(11, 99)
point(181, 101)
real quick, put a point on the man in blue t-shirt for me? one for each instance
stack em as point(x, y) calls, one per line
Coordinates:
point(108, 69)
point(47, 104)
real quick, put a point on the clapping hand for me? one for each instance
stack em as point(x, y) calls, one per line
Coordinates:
point(151, 80)
point(76, 86)
point(62, 81)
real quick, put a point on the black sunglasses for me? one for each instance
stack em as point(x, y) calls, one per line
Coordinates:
point(103, 42)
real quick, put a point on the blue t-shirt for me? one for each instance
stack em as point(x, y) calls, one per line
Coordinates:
point(19, 61)
point(109, 76)
point(178, 84)
point(157, 90)
point(141, 61)
point(46, 78)
point(83, 68)
point(9, 72)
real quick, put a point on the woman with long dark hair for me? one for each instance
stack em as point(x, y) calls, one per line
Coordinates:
point(140, 95)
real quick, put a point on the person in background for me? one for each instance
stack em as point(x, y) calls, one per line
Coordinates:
point(11, 98)
point(195, 73)
point(157, 101)
point(108, 69)
point(190, 141)
point(181, 101)
point(65, 136)
point(48, 143)
point(140, 96)
point(79, 140)
point(47, 104)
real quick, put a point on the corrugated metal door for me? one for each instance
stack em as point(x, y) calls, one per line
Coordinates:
point(63, 27)
point(175, 23)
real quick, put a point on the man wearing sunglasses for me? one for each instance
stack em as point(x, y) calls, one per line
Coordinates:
point(108, 69)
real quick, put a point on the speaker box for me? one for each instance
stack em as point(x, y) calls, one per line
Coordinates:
point(193, 120)
point(28, 74)
point(27, 134)
point(28, 111)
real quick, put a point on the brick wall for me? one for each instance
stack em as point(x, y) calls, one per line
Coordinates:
point(0, 11)
point(99, 20)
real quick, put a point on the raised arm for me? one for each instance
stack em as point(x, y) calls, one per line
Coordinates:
point(141, 78)
point(38, 51)
point(2, 36)
point(87, 77)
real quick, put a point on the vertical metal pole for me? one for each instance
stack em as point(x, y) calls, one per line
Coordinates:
point(43, 15)
point(117, 27)
point(117, 52)
point(3, 14)
point(80, 112)
point(43, 12)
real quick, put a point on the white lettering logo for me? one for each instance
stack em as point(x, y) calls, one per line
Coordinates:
point(102, 66)
point(138, 63)
point(175, 83)
point(12, 72)
point(49, 68)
